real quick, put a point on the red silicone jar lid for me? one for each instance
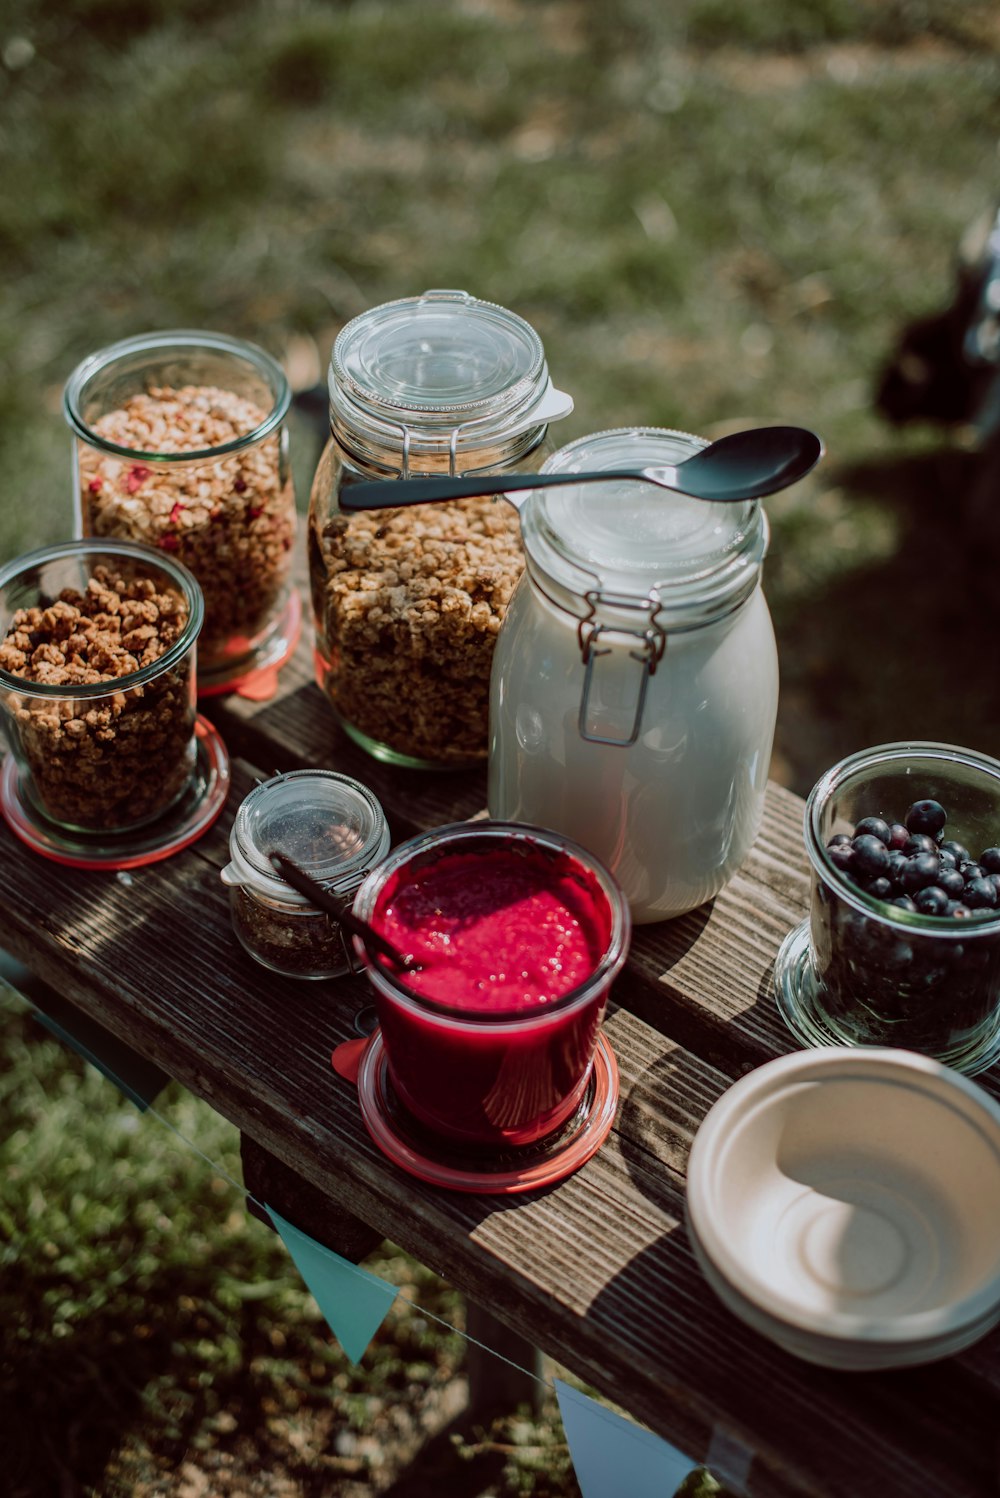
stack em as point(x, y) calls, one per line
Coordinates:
point(526, 1168)
point(180, 826)
point(256, 677)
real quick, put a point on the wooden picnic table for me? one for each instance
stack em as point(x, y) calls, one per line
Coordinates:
point(597, 1271)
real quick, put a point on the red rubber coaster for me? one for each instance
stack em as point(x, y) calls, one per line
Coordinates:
point(180, 826)
point(480, 1171)
point(259, 680)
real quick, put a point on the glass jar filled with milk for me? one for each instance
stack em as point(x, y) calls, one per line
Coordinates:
point(635, 678)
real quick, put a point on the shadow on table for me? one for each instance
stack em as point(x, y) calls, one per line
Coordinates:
point(763, 1420)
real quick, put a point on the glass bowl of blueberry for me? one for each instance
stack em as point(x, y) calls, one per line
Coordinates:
point(902, 943)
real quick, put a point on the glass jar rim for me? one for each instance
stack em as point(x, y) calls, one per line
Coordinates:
point(568, 537)
point(179, 340)
point(439, 374)
point(341, 874)
point(502, 833)
point(840, 774)
point(136, 551)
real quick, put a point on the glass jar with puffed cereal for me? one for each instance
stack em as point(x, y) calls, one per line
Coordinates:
point(179, 442)
point(97, 682)
point(408, 602)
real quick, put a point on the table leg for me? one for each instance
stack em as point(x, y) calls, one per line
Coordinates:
point(269, 1180)
point(496, 1387)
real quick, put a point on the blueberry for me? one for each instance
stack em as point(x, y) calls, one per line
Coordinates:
point(897, 835)
point(989, 858)
point(903, 902)
point(879, 888)
point(980, 894)
point(960, 912)
point(948, 859)
point(873, 827)
point(970, 870)
point(958, 850)
point(951, 881)
point(931, 900)
point(919, 842)
point(897, 858)
point(926, 816)
point(919, 871)
point(842, 857)
point(839, 839)
point(871, 856)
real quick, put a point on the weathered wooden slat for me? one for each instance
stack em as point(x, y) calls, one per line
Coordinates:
point(598, 1271)
point(681, 983)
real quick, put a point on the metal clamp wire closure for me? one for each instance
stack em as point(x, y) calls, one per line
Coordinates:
point(405, 434)
point(654, 643)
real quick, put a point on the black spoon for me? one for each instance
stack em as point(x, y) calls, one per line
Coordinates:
point(340, 909)
point(744, 465)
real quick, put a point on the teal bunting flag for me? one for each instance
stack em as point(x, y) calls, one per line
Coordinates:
point(612, 1456)
point(354, 1302)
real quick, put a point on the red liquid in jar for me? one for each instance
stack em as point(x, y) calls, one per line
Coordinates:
point(502, 932)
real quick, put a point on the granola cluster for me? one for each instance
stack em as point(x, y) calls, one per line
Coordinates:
point(409, 603)
point(115, 759)
point(231, 520)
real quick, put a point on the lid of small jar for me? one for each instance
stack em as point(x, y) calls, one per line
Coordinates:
point(328, 824)
point(440, 370)
point(633, 541)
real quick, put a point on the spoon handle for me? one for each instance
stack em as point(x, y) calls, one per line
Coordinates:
point(383, 494)
point(338, 907)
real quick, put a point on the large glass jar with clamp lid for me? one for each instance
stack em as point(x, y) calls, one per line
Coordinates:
point(635, 679)
point(408, 602)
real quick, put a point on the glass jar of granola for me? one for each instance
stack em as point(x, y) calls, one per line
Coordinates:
point(408, 602)
point(179, 442)
point(98, 683)
point(335, 830)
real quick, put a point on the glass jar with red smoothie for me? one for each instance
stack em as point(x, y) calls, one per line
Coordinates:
point(516, 934)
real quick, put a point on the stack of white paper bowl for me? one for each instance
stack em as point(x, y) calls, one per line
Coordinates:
point(846, 1203)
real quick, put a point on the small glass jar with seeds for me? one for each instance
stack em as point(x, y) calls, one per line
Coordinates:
point(334, 829)
point(180, 442)
point(408, 602)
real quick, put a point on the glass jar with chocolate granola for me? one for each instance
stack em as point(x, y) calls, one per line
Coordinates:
point(179, 442)
point(98, 683)
point(408, 602)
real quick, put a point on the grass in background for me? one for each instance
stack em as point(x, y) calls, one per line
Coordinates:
point(714, 212)
point(157, 1338)
point(148, 1321)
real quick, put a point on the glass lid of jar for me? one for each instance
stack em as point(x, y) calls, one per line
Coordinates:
point(630, 539)
point(329, 824)
point(441, 363)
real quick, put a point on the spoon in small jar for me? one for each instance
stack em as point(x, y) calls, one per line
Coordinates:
point(340, 910)
point(744, 465)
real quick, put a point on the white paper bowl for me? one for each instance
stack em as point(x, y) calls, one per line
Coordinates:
point(846, 1204)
